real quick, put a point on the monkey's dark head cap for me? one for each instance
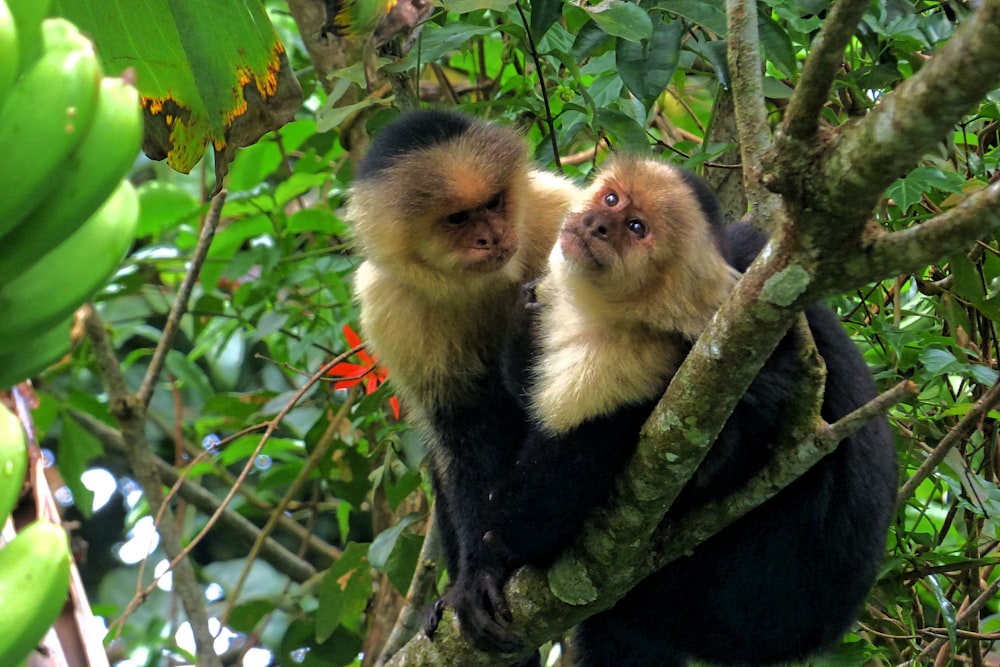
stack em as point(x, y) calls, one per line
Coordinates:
point(412, 131)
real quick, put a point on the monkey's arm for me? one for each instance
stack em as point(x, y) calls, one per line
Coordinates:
point(475, 446)
point(558, 481)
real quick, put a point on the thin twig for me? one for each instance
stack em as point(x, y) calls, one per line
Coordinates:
point(130, 412)
point(960, 432)
point(408, 620)
point(273, 552)
point(317, 456)
point(163, 347)
point(533, 49)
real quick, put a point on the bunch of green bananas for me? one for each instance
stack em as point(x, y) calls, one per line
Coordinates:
point(34, 566)
point(67, 215)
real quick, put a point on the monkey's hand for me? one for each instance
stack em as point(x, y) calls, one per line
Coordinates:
point(482, 611)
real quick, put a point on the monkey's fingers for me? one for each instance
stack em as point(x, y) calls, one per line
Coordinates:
point(487, 633)
point(492, 586)
point(433, 618)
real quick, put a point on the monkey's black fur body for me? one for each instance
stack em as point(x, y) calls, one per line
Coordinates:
point(784, 582)
point(452, 217)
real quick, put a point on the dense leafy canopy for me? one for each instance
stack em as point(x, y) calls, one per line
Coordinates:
point(309, 559)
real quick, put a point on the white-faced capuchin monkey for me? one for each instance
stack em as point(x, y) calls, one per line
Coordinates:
point(452, 218)
point(641, 266)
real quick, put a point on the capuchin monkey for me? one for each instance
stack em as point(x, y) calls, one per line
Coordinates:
point(641, 266)
point(452, 218)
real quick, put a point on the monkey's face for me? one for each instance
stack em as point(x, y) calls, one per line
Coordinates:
point(639, 220)
point(454, 208)
point(479, 238)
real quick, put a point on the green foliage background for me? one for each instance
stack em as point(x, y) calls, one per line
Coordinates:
point(274, 297)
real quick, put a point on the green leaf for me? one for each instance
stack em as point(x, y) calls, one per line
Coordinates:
point(466, 6)
point(195, 72)
point(622, 129)
point(907, 191)
point(247, 615)
point(77, 448)
point(587, 40)
point(439, 41)
point(710, 14)
point(345, 590)
point(939, 362)
point(777, 46)
point(316, 220)
point(188, 373)
point(544, 13)
point(403, 561)
point(715, 53)
point(385, 542)
point(164, 206)
point(646, 67)
point(622, 19)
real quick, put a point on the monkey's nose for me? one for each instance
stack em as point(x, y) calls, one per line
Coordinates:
point(594, 225)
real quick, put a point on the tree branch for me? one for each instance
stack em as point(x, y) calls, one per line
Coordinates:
point(675, 538)
point(179, 307)
point(751, 116)
point(870, 154)
point(960, 432)
point(130, 412)
point(975, 217)
point(825, 58)
point(272, 551)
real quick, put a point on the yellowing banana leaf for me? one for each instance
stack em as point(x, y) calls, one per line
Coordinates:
point(209, 72)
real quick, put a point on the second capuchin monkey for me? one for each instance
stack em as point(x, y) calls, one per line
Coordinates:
point(452, 217)
point(640, 268)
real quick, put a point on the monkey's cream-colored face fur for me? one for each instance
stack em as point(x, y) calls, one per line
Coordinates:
point(453, 208)
point(639, 247)
point(638, 219)
point(637, 270)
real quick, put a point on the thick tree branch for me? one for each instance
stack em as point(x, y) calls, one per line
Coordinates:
point(751, 116)
point(975, 217)
point(869, 155)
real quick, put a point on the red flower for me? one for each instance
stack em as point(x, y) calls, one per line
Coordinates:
point(368, 371)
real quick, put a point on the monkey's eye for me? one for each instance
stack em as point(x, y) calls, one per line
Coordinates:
point(637, 227)
point(611, 200)
point(495, 203)
point(459, 218)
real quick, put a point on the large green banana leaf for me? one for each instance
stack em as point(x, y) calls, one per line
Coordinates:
point(207, 71)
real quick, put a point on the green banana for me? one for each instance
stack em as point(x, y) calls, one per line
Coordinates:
point(13, 461)
point(9, 57)
point(28, 15)
point(34, 583)
point(96, 167)
point(44, 117)
point(54, 286)
point(29, 357)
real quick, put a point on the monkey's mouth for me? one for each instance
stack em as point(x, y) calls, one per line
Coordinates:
point(487, 260)
point(577, 247)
